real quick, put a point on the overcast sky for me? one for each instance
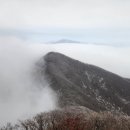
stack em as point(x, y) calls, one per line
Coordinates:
point(110, 18)
point(65, 13)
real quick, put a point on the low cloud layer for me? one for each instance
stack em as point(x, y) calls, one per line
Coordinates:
point(23, 92)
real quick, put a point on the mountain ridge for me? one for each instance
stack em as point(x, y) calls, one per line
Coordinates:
point(65, 41)
point(80, 84)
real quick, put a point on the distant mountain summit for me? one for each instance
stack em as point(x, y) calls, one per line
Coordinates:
point(66, 41)
point(80, 84)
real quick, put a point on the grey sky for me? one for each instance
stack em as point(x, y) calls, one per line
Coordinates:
point(65, 13)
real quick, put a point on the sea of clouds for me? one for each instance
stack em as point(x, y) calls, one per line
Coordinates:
point(24, 92)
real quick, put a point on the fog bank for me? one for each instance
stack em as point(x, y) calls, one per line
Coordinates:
point(23, 92)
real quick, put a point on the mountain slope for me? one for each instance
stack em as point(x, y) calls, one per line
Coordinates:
point(86, 85)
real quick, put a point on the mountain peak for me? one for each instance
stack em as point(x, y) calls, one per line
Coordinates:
point(80, 84)
point(66, 41)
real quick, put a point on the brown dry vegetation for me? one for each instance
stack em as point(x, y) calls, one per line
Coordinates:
point(73, 119)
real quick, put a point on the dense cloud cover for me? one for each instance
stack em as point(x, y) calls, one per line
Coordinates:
point(23, 92)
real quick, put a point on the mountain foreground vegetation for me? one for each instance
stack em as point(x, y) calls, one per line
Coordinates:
point(73, 118)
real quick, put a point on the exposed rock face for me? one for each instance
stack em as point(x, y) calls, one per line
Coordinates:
point(80, 84)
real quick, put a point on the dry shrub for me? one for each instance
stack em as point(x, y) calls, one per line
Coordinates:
point(73, 119)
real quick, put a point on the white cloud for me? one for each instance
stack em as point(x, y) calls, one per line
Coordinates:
point(23, 92)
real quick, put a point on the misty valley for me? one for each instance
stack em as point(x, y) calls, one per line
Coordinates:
point(44, 89)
